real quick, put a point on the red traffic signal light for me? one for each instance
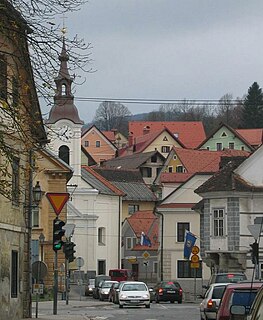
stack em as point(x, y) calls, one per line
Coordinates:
point(58, 233)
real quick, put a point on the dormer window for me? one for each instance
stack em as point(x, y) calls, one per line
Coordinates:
point(64, 90)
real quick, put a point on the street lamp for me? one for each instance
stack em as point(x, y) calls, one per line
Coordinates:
point(41, 241)
point(37, 194)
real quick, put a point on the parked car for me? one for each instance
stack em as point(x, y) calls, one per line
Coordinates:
point(134, 293)
point(242, 293)
point(168, 291)
point(98, 280)
point(231, 277)
point(114, 292)
point(104, 289)
point(256, 310)
point(90, 285)
point(211, 301)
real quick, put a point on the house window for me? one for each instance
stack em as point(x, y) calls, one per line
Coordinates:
point(101, 267)
point(130, 242)
point(165, 139)
point(242, 148)
point(15, 181)
point(3, 78)
point(97, 144)
point(219, 146)
point(174, 157)
point(63, 153)
point(207, 148)
point(147, 172)
point(15, 92)
point(181, 228)
point(231, 145)
point(86, 143)
point(14, 273)
point(179, 169)
point(155, 267)
point(223, 134)
point(154, 159)
point(101, 236)
point(185, 270)
point(133, 208)
point(35, 251)
point(35, 216)
point(218, 222)
point(170, 169)
point(165, 149)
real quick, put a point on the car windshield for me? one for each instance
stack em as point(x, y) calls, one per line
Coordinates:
point(218, 292)
point(168, 285)
point(134, 287)
point(106, 284)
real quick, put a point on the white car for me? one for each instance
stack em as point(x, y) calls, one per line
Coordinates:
point(134, 293)
point(211, 300)
point(104, 289)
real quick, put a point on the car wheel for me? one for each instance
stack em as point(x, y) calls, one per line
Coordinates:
point(147, 306)
point(120, 306)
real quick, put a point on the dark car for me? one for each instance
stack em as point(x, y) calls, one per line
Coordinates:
point(230, 277)
point(242, 294)
point(168, 291)
point(113, 293)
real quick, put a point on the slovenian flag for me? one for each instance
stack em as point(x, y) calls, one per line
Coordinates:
point(145, 240)
point(189, 242)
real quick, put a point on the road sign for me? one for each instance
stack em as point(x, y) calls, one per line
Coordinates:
point(195, 250)
point(146, 255)
point(38, 288)
point(255, 230)
point(194, 265)
point(57, 200)
point(39, 270)
point(69, 229)
point(79, 262)
point(194, 258)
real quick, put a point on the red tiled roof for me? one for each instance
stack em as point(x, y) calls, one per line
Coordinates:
point(204, 160)
point(190, 133)
point(109, 135)
point(147, 222)
point(103, 180)
point(253, 136)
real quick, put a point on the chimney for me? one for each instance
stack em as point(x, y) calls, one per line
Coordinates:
point(146, 130)
point(130, 139)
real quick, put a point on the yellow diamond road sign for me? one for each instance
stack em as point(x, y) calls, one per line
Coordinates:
point(146, 255)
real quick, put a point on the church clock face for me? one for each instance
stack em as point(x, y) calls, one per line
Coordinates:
point(65, 133)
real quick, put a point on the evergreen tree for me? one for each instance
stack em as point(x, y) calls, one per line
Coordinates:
point(252, 113)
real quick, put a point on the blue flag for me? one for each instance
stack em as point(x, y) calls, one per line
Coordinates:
point(189, 242)
point(145, 240)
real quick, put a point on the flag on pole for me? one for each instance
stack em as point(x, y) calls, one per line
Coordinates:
point(189, 242)
point(145, 240)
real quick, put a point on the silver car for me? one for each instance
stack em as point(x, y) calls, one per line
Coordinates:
point(134, 293)
point(211, 300)
point(104, 289)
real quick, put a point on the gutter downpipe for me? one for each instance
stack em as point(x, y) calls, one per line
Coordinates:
point(162, 228)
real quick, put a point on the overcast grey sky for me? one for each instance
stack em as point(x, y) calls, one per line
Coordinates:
point(169, 49)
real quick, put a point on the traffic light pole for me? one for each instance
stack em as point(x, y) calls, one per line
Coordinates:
point(67, 279)
point(55, 298)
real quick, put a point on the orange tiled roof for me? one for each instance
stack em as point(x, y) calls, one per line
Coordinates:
point(109, 135)
point(147, 222)
point(174, 177)
point(253, 136)
point(190, 133)
point(204, 160)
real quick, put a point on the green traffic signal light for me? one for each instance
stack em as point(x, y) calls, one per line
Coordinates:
point(58, 233)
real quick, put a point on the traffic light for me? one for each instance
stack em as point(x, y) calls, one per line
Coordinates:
point(69, 251)
point(254, 252)
point(58, 233)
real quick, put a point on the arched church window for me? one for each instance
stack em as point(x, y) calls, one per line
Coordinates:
point(63, 153)
point(64, 90)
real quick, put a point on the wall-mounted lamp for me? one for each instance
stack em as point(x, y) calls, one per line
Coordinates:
point(37, 193)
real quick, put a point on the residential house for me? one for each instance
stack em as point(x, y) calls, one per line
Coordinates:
point(98, 145)
point(226, 137)
point(117, 138)
point(231, 201)
point(140, 254)
point(148, 163)
point(21, 132)
point(138, 196)
point(94, 209)
point(161, 141)
point(188, 133)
